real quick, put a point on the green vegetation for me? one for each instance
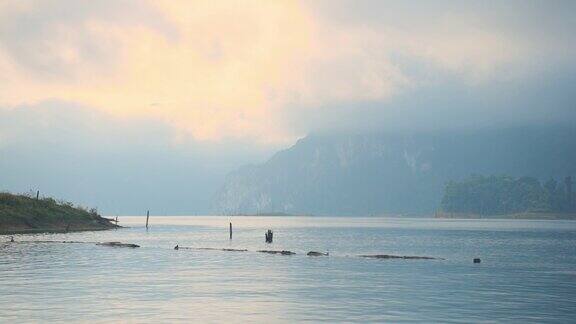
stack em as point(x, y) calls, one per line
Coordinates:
point(22, 213)
point(503, 195)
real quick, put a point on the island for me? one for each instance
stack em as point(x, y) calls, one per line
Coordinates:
point(28, 214)
point(508, 197)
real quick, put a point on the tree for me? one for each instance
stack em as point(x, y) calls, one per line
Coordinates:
point(495, 195)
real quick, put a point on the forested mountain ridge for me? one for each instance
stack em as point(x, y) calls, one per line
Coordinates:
point(379, 173)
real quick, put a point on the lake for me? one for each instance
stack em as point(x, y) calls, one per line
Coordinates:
point(527, 273)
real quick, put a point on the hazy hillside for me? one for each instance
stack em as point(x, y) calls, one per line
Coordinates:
point(391, 173)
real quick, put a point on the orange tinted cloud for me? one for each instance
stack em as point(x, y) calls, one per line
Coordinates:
point(216, 69)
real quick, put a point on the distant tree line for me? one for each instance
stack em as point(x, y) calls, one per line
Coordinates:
point(495, 195)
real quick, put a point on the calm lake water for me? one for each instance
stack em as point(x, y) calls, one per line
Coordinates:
point(527, 274)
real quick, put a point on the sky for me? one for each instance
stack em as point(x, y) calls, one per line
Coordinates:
point(132, 104)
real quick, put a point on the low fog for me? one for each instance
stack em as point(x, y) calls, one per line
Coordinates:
point(125, 106)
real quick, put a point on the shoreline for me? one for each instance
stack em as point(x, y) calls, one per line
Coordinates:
point(515, 216)
point(14, 231)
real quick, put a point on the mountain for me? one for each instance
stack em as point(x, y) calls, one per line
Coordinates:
point(379, 173)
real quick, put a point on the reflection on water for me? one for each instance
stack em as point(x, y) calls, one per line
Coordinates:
point(528, 272)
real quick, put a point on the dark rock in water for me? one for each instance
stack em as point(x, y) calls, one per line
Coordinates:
point(118, 244)
point(314, 253)
point(176, 247)
point(405, 257)
point(277, 252)
point(477, 260)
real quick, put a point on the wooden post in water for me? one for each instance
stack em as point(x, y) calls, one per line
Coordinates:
point(147, 217)
point(230, 230)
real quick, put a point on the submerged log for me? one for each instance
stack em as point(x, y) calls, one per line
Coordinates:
point(314, 253)
point(118, 244)
point(405, 257)
point(234, 250)
point(210, 249)
point(59, 242)
point(225, 249)
point(277, 252)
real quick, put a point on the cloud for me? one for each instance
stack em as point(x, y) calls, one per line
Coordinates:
point(234, 70)
point(157, 100)
point(119, 165)
point(214, 79)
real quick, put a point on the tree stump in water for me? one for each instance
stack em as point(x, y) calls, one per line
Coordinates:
point(269, 236)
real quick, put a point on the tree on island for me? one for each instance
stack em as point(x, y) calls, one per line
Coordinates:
point(497, 195)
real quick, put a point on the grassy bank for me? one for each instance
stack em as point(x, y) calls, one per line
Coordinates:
point(24, 214)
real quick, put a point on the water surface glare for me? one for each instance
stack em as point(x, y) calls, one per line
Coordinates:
point(527, 274)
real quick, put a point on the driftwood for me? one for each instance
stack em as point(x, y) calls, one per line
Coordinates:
point(405, 257)
point(114, 244)
point(40, 241)
point(216, 249)
point(118, 244)
point(314, 253)
point(277, 252)
point(234, 250)
point(209, 249)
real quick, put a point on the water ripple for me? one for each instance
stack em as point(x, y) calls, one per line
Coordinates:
point(526, 275)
